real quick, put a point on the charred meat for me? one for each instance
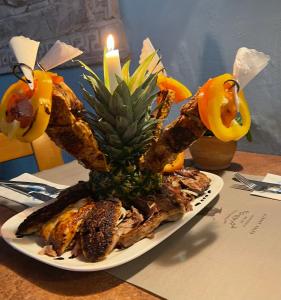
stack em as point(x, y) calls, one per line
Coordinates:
point(70, 132)
point(34, 222)
point(175, 138)
point(98, 233)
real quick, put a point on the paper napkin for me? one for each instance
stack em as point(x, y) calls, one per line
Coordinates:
point(272, 178)
point(22, 199)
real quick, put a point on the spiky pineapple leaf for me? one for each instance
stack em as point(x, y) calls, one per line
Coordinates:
point(139, 75)
point(126, 71)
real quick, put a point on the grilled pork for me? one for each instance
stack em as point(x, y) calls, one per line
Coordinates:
point(175, 138)
point(70, 132)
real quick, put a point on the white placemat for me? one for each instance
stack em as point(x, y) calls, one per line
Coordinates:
point(272, 178)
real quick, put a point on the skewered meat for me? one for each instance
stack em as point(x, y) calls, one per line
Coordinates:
point(98, 233)
point(70, 132)
point(165, 98)
point(34, 222)
point(175, 138)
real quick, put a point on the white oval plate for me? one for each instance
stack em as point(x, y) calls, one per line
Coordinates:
point(30, 246)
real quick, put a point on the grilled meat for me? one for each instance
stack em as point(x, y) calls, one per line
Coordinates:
point(194, 180)
point(189, 180)
point(61, 230)
point(166, 99)
point(98, 233)
point(70, 132)
point(133, 219)
point(175, 138)
point(168, 208)
point(34, 222)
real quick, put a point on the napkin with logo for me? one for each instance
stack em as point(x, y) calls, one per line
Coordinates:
point(20, 198)
point(271, 178)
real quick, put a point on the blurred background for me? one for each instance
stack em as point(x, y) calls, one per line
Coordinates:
point(197, 40)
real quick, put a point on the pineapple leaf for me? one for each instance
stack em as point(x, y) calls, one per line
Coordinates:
point(139, 75)
point(101, 111)
point(122, 124)
point(126, 71)
point(130, 132)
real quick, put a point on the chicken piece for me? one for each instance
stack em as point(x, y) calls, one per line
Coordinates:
point(61, 229)
point(70, 132)
point(175, 138)
point(34, 222)
point(99, 233)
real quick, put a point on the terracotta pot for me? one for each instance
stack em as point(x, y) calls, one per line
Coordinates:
point(209, 153)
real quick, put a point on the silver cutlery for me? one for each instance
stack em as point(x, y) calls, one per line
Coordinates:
point(39, 191)
point(259, 186)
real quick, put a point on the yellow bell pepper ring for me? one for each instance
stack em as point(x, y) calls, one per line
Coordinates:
point(222, 110)
point(25, 114)
point(177, 164)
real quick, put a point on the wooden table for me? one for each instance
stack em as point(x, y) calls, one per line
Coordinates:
point(23, 278)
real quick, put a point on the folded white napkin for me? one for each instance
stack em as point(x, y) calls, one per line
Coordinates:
point(22, 199)
point(272, 178)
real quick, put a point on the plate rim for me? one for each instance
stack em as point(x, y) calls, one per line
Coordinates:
point(102, 265)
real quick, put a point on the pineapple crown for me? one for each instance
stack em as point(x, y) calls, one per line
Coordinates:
point(121, 121)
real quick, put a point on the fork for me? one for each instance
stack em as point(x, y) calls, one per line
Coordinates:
point(252, 186)
point(245, 181)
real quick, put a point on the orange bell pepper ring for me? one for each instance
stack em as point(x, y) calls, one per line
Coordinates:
point(218, 111)
point(177, 164)
point(169, 83)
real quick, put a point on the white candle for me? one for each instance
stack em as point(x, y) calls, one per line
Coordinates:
point(113, 63)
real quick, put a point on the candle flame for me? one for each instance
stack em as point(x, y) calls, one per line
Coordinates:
point(110, 42)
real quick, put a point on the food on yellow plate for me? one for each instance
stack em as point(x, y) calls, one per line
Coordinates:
point(25, 114)
point(169, 83)
point(218, 110)
point(177, 164)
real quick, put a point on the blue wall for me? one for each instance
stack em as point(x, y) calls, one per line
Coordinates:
point(198, 39)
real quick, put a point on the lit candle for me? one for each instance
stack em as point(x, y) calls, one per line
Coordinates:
point(113, 63)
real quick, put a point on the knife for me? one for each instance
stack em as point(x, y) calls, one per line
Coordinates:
point(266, 186)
